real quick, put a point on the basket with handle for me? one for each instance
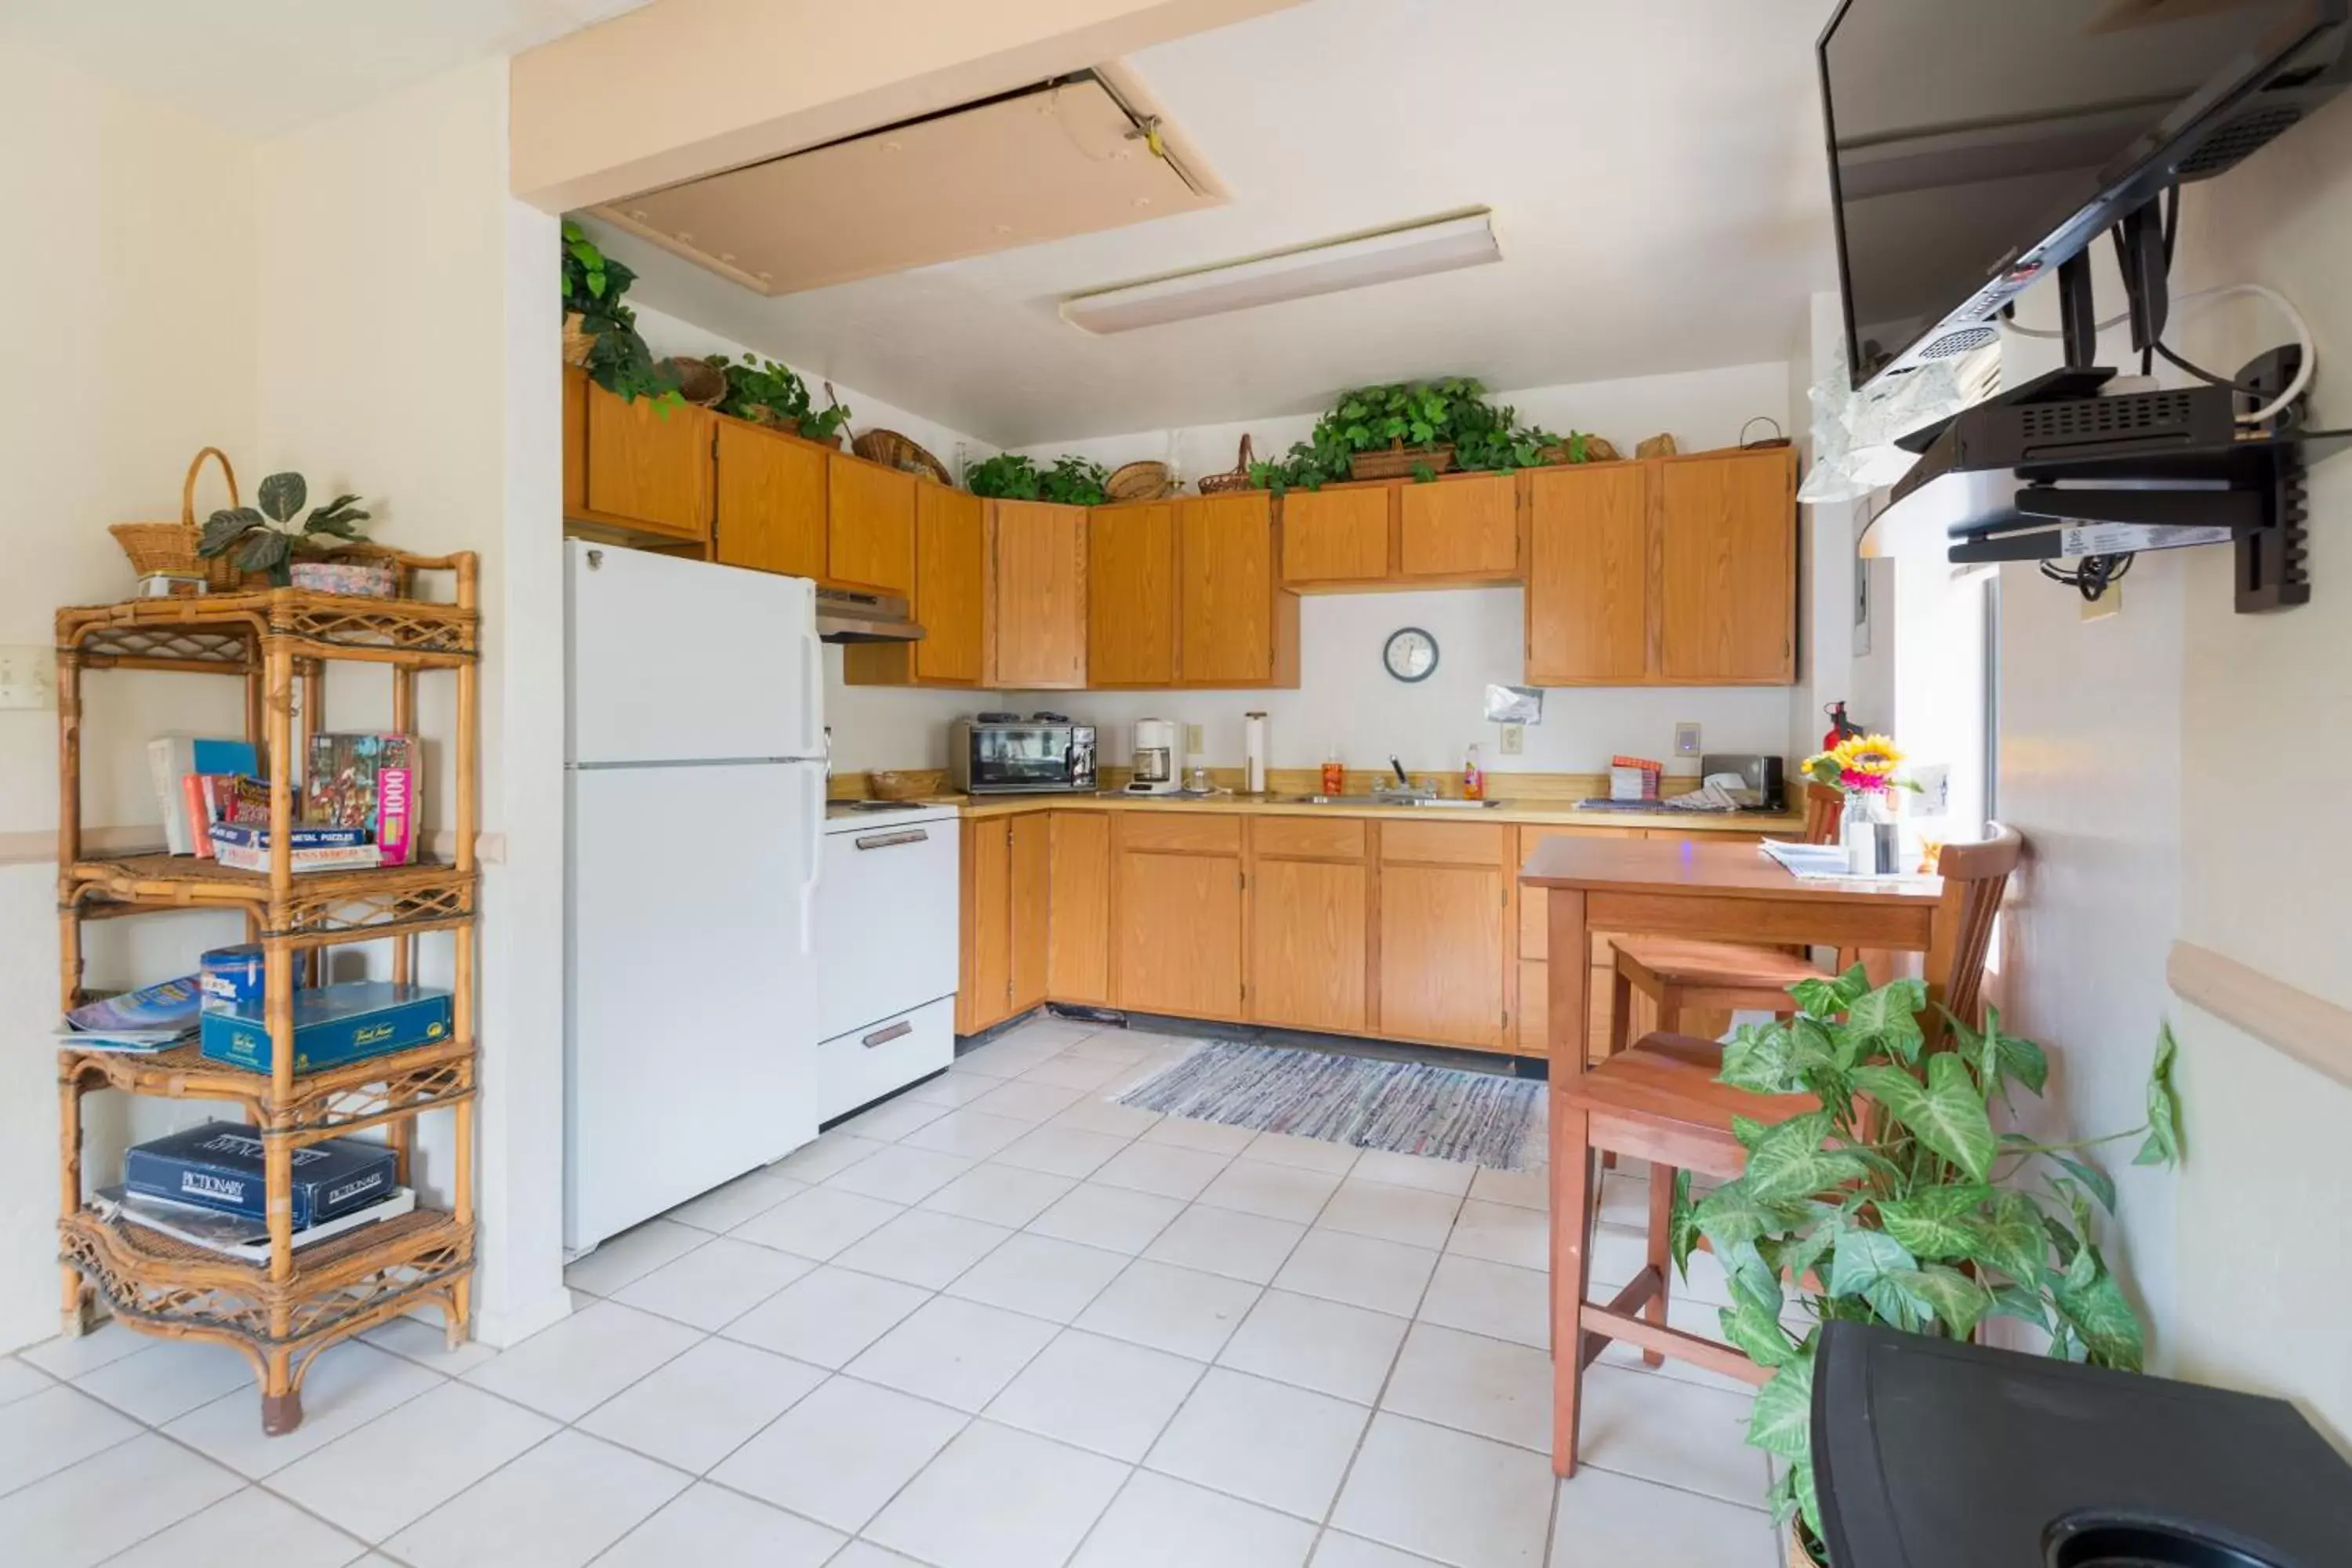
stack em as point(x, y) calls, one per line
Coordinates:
point(893, 450)
point(172, 546)
point(1236, 479)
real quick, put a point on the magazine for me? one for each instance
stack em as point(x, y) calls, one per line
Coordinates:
point(153, 1018)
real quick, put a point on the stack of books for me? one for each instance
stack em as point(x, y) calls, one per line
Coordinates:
point(153, 1018)
point(357, 804)
point(205, 1186)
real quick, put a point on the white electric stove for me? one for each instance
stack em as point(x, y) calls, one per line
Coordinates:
point(885, 935)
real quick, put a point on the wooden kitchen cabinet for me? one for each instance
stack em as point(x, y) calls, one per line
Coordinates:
point(1032, 870)
point(770, 508)
point(1310, 924)
point(1727, 568)
point(1176, 945)
point(1006, 919)
point(1077, 954)
point(1587, 575)
point(950, 601)
point(1671, 572)
point(1445, 911)
point(634, 472)
point(1338, 536)
point(1460, 529)
point(870, 525)
point(1236, 625)
point(1038, 595)
point(1131, 596)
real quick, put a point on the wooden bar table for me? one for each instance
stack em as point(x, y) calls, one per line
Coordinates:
point(1710, 892)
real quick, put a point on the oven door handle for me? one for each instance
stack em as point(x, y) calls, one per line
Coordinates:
point(892, 840)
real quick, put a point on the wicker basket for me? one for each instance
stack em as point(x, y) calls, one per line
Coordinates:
point(172, 546)
point(1597, 449)
point(1236, 479)
point(894, 783)
point(704, 385)
point(1141, 481)
point(893, 450)
point(1657, 447)
point(576, 343)
point(1400, 461)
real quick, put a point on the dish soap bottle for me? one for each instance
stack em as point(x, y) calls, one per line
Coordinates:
point(1335, 772)
point(1474, 778)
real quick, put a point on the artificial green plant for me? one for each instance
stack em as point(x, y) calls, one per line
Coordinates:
point(1072, 480)
point(618, 361)
point(1452, 411)
point(1897, 1202)
point(753, 384)
point(269, 538)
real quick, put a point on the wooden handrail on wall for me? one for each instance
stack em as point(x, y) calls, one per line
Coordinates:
point(2314, 1031)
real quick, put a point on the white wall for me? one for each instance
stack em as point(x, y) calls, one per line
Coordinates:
point(1348, 700)
point(133, 329)
point(873, 726)
point(2138, 753)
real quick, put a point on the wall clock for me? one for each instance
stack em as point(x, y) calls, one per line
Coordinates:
point(1410, 654)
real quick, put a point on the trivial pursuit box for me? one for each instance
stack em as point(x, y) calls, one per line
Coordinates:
point(220, 1166)
point(333, 1024)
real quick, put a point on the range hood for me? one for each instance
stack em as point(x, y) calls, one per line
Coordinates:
point(846, 616)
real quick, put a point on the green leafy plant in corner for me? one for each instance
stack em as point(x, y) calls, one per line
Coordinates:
point(1897, 1202)
point(268, 539)
point(1450, 412)
point(1009, 475)
point(619, 361)
point(754, 384)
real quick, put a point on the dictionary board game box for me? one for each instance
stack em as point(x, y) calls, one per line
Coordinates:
point(219, 1166)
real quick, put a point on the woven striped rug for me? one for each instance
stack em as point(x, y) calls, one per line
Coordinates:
point(1404, 1107)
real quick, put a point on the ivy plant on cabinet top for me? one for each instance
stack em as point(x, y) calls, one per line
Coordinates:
point(617, 358)
point(1071, 481)
point(1445, 422)
point(767, 393)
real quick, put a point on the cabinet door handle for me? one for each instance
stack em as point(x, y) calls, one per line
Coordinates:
point(883, 1036)
point(892, 840)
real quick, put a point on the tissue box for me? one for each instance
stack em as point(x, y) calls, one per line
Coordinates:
point(333, 1024)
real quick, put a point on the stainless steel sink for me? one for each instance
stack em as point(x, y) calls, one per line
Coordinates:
point(1359, 802)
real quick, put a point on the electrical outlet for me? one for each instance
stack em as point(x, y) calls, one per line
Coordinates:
point(28, 677)
point(1515, 739)
point(1687, 739)
point(1194, 743)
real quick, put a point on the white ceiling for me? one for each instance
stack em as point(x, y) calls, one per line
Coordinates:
point(267, 67)
point(1656, 169)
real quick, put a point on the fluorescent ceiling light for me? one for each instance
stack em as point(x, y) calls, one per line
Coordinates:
point(1327, 269)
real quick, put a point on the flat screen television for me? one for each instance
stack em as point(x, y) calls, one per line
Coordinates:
point(1976, 145)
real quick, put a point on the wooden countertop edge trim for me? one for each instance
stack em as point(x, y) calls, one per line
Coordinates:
point(2312, 1030)
point(39, 848)
point(1498, 816)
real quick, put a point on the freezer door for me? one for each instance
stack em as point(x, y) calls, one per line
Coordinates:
point(672, 660)
point(690, 1036)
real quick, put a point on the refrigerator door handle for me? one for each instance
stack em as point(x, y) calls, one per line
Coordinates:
point(813, 694)
point(815, 814)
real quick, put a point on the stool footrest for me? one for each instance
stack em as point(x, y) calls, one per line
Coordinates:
point(1637, 1294)
point(1597, 1320)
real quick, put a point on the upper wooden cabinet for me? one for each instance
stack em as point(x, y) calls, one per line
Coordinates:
point(634, 471)
point(771, 510)
point(1673, 572)
point(1460, 529)
point(871, 529)
point(1036, 600)
point(1587, 575)
point(1236, 625)
point(1337, 537)
point(950, 601)
point(1131, 596)
point(1727, 569)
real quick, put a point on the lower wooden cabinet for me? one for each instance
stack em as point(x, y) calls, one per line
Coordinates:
point(1006, 910)
point(1077, 952)
point(1176, 939)
point(1032, 902)
point(1310, 924)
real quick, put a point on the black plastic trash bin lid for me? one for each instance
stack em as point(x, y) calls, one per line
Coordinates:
point(1928, 1453)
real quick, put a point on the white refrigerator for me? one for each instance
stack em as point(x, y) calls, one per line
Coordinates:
point(695, 784)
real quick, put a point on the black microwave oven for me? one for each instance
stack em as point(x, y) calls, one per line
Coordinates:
point(995, 755)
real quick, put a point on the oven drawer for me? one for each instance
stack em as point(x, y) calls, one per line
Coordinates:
point(866, 1064)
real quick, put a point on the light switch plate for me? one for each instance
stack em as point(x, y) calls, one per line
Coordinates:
point(1194, 743)
point(1515, 739)
point(1687, 739)
point(28, 677)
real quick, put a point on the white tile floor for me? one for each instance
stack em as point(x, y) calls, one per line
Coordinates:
point(1001, 1322)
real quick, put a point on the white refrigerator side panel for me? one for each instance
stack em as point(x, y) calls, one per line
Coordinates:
point(691, 1030)
point(677, 660)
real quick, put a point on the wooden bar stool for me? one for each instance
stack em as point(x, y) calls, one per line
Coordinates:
point(1660, 1101)
point(1679, 977)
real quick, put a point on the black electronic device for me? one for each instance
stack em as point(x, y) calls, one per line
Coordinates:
point(1975, 147)
point(1933, 1454)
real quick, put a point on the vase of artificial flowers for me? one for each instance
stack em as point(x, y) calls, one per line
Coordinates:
point(1864, 767)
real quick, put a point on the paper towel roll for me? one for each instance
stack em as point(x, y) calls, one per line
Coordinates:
point(1254, 751)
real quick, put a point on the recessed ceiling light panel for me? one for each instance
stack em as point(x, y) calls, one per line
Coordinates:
point(1414, 251)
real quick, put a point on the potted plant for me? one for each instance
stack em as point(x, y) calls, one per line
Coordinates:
point(600, 333)
point(1421, 430)
point(1072, 480)
point(268, 539)
point(770, 394)
point(1896, 1201)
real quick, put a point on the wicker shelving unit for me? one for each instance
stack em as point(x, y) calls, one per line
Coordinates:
point(279, 1316)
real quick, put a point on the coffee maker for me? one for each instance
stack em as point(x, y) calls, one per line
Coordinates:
point(1155, 762)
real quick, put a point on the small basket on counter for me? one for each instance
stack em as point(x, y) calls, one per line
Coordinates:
point(903, 784)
